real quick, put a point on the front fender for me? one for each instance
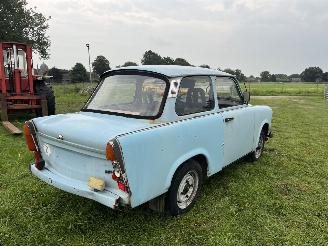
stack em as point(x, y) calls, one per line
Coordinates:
point(263, 116)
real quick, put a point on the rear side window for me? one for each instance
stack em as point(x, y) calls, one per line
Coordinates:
point(195, 95)
point(227, 92)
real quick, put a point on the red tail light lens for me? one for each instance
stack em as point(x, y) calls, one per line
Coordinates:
point(121, 186)
point(29, 139)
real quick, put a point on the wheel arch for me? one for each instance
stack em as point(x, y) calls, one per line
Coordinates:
point(265, 125)
point(265, 128)
point(201, 156)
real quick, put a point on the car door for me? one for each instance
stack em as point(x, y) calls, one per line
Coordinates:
point(196, 98)
point(238, 119)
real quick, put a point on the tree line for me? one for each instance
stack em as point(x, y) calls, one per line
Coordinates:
point(101, 64)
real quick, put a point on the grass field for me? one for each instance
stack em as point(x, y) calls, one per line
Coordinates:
point(280, 200)
point(285, 89)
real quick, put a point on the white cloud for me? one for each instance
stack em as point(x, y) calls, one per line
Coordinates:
point(282, 36)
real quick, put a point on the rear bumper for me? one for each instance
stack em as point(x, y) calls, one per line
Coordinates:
point(77, 187)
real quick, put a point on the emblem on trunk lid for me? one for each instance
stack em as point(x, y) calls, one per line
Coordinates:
point(60, 137)
point(47, 149)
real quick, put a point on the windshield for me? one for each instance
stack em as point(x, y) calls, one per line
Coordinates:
point(135, 95)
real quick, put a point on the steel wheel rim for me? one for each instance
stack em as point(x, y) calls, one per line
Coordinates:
point(259, 148)
point(187, 189)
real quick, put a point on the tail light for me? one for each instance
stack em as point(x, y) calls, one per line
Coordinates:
point(110, 155)
point(29, 138)
point(32, 146)
point(118, 173)
point(116, 176)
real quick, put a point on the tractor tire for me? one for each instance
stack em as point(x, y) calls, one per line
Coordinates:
point(41, 88)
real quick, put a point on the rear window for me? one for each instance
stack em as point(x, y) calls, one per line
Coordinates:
point(134, 95)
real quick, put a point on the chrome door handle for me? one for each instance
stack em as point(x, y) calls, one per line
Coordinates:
point(229, 119)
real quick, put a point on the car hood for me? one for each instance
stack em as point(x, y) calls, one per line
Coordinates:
point(87, 129)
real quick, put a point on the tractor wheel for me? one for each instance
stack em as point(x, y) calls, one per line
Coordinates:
point(41, 88)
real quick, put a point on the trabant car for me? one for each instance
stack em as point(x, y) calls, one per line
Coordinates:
point(149, 134)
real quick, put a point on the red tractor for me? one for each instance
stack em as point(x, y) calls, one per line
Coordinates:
point(20, 89)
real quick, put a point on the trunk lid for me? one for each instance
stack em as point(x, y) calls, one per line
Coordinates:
point(92, 130)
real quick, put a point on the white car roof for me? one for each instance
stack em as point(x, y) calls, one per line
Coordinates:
point(175, 71)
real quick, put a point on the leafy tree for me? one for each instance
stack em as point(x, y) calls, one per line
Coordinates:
point(205, 66)
point(281, 78)
point(56, 74)
point(295, 75)
point(79, 73)
point(167, 60)
point(181, 62)
point(312, 74)
point(266, 76)
point(325, 77)
point(239, 75)
point(229, 71)
point(273, 78)
point(129, 63)
point(100, 65)
point(151, 58)
point(22, 24)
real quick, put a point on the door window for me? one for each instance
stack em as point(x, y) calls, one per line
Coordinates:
point(227, 93)
point(195, 95)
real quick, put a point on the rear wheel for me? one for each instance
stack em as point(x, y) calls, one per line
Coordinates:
point(41, 88)
point(185, 188)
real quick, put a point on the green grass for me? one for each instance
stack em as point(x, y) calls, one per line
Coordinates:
point(285, 89)
point(280, 200)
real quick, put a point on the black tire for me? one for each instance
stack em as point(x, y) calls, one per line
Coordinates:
point(190, 171)
point(256, 155)
point(41, 88)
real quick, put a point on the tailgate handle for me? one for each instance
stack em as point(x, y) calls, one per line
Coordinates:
point(229, 119)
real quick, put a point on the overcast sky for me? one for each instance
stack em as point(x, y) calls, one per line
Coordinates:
point(282, 36)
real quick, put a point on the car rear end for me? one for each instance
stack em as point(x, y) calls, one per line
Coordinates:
point(78, 169)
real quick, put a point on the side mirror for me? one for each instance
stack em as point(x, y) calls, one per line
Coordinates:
point(246, 96)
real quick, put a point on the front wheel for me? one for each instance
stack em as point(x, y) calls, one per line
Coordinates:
point(185, 188)
point(257, 153)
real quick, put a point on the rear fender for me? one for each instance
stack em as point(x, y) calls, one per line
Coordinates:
point(182, 160)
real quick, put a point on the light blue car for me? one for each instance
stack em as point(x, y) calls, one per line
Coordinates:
point(149, 134)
